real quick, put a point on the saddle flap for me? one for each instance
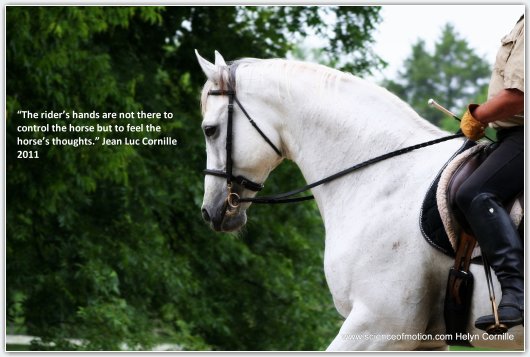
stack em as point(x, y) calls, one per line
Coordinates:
point(466, 167)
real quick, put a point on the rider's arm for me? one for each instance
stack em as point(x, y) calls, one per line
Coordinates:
point(504, 105)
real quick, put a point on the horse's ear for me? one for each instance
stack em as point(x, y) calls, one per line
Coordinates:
point(219, 60)
point(211, 70)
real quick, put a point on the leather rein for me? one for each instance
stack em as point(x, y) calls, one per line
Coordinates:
point(234, 200)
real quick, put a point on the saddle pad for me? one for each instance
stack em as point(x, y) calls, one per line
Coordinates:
point(450, 224)
point(431, 224)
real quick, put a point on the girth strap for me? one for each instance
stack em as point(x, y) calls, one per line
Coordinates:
point(257, 128)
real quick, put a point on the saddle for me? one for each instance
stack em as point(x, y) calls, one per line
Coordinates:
point(444, 226)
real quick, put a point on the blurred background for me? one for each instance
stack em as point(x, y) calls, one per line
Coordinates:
point(106, 248)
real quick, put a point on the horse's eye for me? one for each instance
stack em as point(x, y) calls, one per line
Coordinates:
point(210, 130)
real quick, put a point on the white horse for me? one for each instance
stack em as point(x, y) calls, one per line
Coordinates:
point(386, 281)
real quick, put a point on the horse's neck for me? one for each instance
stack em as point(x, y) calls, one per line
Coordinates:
point(336, 128)
point(352, 123)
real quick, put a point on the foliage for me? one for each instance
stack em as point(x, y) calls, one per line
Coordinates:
point(107, 246)
point(453, 74)
point(351, 27)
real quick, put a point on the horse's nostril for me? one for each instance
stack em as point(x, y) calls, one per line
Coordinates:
point(205, 215)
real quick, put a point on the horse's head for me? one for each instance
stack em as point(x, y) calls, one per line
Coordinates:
point(234, 169)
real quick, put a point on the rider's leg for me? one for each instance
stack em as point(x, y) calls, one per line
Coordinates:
point(497, 180)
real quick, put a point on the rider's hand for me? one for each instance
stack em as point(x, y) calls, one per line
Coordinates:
point(471, 127)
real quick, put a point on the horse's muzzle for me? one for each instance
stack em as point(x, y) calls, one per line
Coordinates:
point(224, 218)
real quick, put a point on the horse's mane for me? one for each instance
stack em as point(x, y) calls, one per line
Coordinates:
point(327, 79)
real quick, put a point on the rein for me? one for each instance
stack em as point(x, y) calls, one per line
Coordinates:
point(234, 200)
point(284, 197)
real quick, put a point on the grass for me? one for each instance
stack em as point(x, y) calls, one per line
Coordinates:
point(11, 348)
point(477, 349)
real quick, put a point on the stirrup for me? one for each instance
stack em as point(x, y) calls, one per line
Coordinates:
point(498, 327)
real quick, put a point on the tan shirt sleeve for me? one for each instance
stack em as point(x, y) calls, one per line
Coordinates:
point(508, 71)
point(514, 69)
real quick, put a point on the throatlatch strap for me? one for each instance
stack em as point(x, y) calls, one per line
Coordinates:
point(257, 128)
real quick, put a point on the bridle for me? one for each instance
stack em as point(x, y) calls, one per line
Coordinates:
point(233, 200)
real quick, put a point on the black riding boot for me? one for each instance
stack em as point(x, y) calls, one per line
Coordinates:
point(500, 243)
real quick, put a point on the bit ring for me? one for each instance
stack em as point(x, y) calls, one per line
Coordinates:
point(233, 200)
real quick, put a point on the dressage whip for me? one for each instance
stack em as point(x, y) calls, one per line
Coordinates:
point(435, 105)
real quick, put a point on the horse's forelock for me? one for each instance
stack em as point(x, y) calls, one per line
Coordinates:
point(204, 95)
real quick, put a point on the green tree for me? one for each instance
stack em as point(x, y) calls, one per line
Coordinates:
point(453, 74)
point(107, 245)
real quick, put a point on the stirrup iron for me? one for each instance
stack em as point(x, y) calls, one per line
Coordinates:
point(497, 328)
